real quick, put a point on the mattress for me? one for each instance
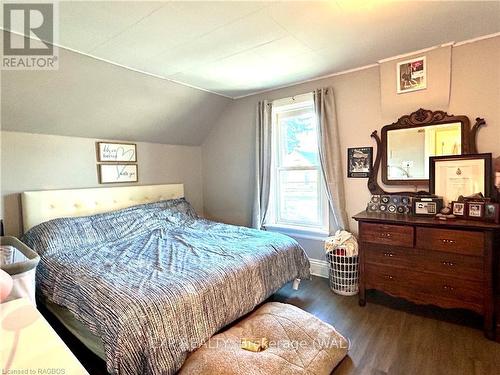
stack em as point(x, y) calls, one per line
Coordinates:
point(77, 328)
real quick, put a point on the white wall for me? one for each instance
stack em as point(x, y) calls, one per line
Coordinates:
point(229, 151)
point(39, 162)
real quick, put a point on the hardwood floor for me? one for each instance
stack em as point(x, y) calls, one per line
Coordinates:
point(391, 336)
point(387, 336)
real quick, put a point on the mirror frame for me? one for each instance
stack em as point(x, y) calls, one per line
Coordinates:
point(412, 121)
point(421, 117)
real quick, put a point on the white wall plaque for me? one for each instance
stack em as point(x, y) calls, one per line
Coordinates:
point(117, 173)
point(122, 152)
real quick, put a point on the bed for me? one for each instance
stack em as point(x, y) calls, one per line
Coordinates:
point(143, 281)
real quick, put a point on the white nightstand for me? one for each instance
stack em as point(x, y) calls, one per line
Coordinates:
point(29, 345)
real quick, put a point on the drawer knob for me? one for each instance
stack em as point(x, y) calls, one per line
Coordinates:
point(388, 277)
point(447, 287)
point(447, 242)
point(446, 263)
point(385, 235)
point(388, 254)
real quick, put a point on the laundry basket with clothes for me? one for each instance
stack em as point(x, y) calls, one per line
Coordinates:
point(343, 261)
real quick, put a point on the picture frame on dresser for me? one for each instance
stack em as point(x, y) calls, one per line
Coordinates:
point(496, 178)
point(475, 210)
point(492, 212)
point(459, 209)
point(460, 175)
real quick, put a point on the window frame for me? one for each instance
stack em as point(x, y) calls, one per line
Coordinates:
point(304, 103)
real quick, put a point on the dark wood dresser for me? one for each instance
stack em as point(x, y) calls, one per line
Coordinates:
point(450, 264)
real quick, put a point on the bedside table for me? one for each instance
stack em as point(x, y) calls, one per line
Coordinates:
point(20, 262)
point(29, 345)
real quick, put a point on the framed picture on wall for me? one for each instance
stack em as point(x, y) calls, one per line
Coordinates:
point(411, 75)
point(116, 152)
point(117, 173)
point(359, 162)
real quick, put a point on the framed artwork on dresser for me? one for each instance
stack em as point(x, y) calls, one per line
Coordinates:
point(460, 175)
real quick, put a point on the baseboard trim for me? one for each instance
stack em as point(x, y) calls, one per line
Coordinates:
point(319, 267)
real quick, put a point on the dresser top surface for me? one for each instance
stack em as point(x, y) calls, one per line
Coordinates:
point(375, 217)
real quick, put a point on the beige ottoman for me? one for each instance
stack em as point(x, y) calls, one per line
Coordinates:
point(299, 343)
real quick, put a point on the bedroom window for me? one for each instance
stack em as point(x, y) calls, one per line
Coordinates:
point(297, 197)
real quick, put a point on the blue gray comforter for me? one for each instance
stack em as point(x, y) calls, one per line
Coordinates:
point(154, 282)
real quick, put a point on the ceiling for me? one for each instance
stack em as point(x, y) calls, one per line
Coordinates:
point(236, 48)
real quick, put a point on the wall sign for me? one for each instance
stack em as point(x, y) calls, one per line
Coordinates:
point(119, 152)
point(411, 75)
point(117, 162)
point(117, 173)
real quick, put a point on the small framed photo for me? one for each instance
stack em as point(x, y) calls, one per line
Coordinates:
point(475, 210)
point(117, 173)
point(116, 152)
point(492, 212)
point(359, 162)
point(411, 75)
point(459, 209)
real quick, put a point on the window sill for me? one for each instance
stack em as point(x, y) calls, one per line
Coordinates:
point(301, 232)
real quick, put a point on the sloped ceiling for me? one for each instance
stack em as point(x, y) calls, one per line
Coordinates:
point(86, 97)
point(238, 48)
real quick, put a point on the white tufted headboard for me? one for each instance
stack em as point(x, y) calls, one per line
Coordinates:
point(40, 206)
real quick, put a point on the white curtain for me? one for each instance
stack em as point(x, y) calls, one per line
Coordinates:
point(330, 157)
point(263, 145)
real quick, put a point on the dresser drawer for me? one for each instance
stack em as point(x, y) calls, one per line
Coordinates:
point(422, 287)
point(387, 279)
point(454, 241)
point(448, 264)
point(397, 235)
